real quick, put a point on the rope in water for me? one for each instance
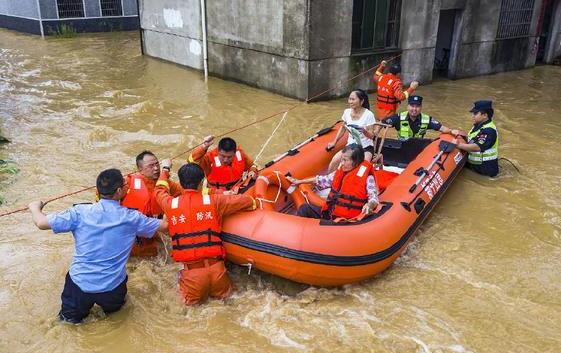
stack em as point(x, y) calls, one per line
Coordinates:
point(284, 111)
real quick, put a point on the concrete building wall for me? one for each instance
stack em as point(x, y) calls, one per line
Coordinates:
point(302, 47)
point(418, 39)
point(482, 53)
point(48, 9)
point(172, 31)
point(20, 8)
point(130, 8)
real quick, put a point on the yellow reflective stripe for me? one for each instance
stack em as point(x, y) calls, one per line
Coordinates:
point(254, 206)
point(191, 160)
point(163, 183)
point(378, 73)
point(406, 94)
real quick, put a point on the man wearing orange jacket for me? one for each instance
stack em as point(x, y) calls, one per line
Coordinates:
point(390, 90)
point(195, 222)
point(140, 196)
point(225, 165)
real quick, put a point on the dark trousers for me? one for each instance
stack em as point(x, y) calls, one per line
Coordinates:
point(76, 304)
point(309, 211)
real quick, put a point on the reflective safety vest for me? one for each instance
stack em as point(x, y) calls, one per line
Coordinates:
point(406, 132)
point(225, 176)
point(487, 155)
point(385, 97)
point(348, 192)
point(194, 227)
point(140, 198)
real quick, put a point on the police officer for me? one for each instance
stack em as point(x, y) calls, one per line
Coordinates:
point(415, 123)
point(483, 140)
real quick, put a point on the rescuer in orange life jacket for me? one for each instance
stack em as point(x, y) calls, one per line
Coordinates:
point(390, 91)
point(141, 197)
point(353, 188)
point(195, 222)
point(225, 165)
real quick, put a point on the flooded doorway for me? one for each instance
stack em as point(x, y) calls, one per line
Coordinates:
point(548, 30)
point(446, 38)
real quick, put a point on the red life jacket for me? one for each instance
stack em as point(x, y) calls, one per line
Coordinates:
point(140, 197)
point(348, 192)
point(385, 97)
point(194, 227)
point(225, 176)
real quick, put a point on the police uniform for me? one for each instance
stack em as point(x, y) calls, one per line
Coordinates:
point(486, 137)
point(416, 128)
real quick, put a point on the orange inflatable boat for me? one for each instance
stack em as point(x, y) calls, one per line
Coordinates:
point(321, 252)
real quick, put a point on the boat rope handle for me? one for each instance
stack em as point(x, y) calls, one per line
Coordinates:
point(249, 266)
point(284, 111)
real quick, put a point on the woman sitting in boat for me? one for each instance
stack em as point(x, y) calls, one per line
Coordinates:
point(353, 188)
point(357, 119)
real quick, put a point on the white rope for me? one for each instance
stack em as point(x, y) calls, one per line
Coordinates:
point(270, 137)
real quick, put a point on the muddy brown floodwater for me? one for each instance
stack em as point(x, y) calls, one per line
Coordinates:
point(483, 274)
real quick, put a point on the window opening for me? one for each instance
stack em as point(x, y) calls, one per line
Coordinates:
point(111, 8)
point(375, 24)
point(70, 8)
point(515, 18)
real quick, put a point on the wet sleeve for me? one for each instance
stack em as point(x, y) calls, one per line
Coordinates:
point(162, 191)
point(197, 154)
point(434, 124)
point(325, 181)
point(379, 72)
point(230, 204)
point(485, 139)
point(393, 121)
point(398, 91)
point(146, 227)
point(372, 189)
point(65, 221)
point(174, 188)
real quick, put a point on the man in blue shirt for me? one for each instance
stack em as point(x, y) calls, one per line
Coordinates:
point(104, 234)
point(413, 123)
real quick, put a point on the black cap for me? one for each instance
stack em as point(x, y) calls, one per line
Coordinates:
point(395, 68)
point(485, 106)
point(415, 100)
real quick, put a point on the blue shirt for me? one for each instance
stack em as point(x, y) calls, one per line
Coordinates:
point(104, 234)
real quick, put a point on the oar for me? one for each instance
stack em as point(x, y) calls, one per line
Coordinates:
point(445, 147)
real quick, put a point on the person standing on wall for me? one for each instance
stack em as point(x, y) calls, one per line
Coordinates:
point(390, 91)
point(104, 234)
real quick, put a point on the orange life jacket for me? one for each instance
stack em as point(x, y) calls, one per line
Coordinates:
point(140, 197)
point(348, 192)
point(385, 99)
point(194, 227)
point(225, 176)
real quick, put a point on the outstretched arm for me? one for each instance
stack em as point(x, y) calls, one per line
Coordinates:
point(39, 218)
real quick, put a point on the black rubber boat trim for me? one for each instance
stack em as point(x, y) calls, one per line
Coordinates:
point(334, 260)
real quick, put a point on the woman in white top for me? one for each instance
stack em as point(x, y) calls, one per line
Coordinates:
point(359, 118)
